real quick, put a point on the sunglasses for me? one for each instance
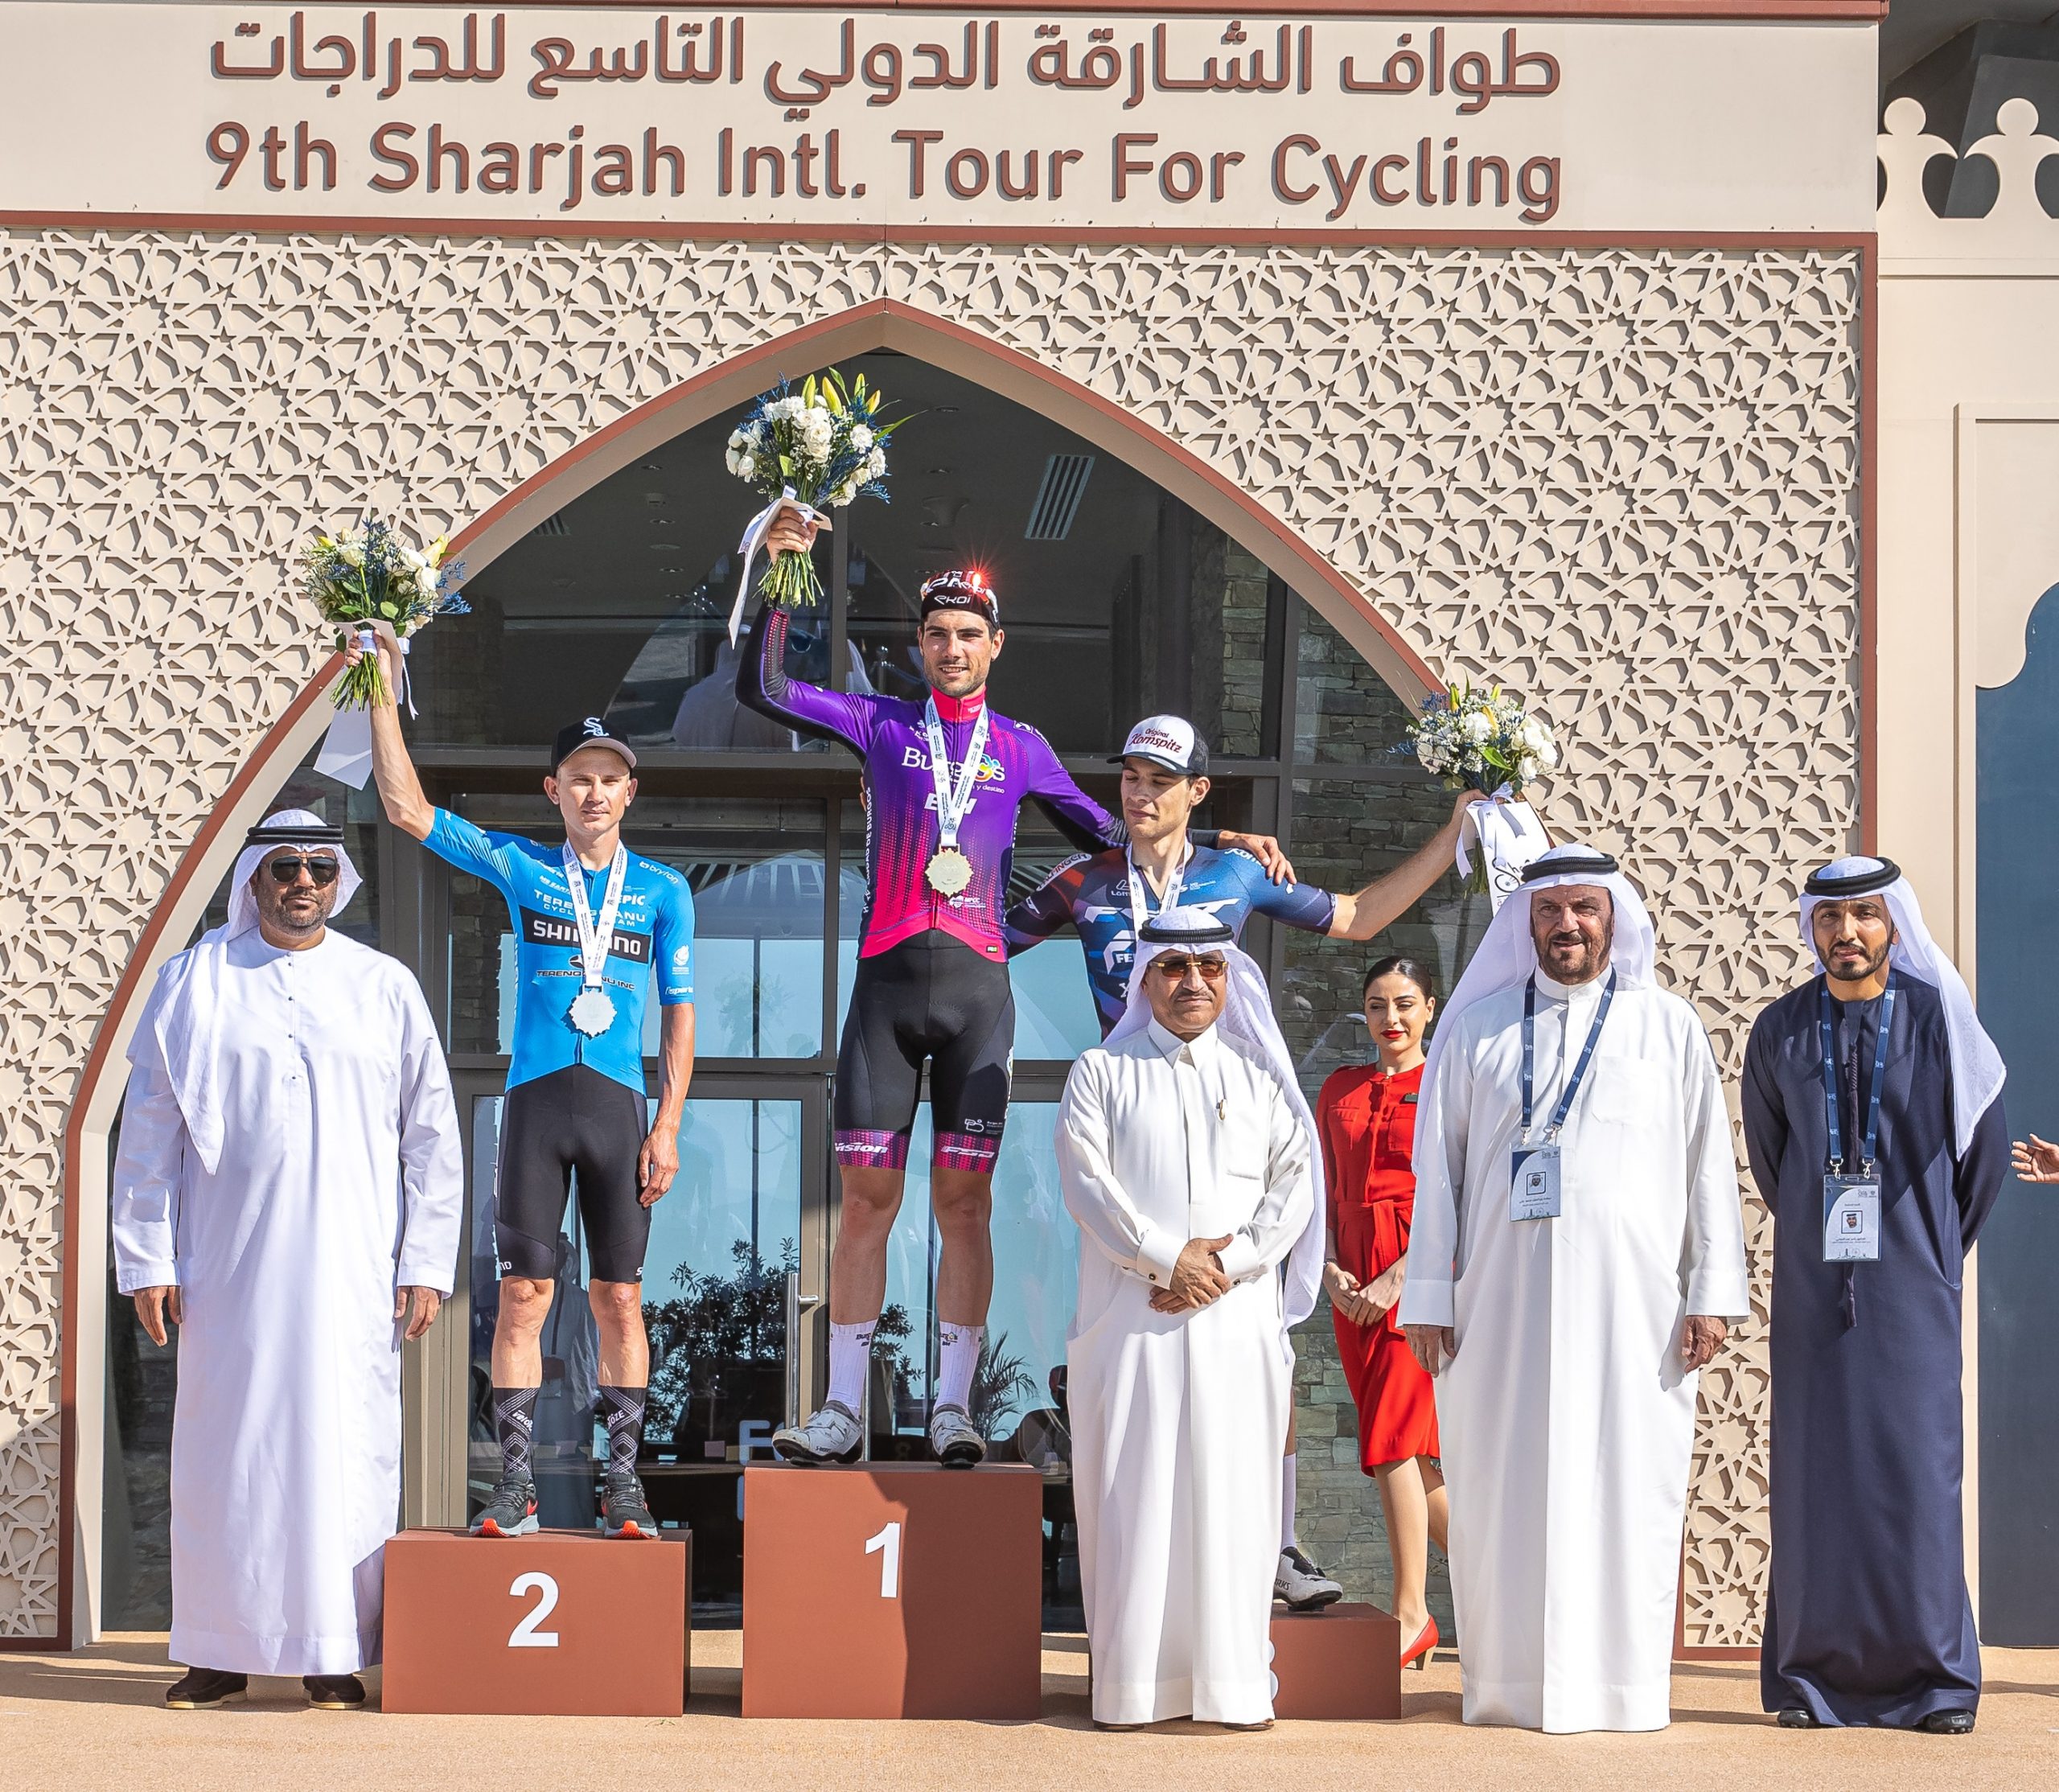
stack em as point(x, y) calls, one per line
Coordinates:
point(1175, 970)
point(321, 872)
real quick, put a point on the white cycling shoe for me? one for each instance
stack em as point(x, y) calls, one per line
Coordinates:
point(956, 1439)
point(832, 1434)
point(1304, 1586)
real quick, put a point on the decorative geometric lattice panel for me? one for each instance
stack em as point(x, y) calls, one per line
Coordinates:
point(1622, 479)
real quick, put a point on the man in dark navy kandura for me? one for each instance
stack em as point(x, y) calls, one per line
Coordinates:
point(1876, 1137)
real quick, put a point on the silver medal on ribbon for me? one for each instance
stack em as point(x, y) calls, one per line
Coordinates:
point(593, 1011)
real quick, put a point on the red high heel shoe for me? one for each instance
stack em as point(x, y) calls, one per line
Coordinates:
point(1419, 1651)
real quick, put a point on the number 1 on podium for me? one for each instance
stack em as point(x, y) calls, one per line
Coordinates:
point(886, 1545)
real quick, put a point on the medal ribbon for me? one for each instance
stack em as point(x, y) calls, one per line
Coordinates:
point(1579, 1070)
point(594, 938)
point(1140, 892)
point(954, 796)
point(1837, 1165)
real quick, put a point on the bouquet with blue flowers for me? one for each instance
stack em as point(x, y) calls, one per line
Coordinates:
point(1481, 740)
point(370, 574)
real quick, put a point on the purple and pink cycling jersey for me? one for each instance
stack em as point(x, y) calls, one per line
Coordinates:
point(900, 826)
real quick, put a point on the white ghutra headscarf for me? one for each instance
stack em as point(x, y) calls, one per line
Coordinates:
point(1977, 1067)
point(1247, 1017)
point(186, 1007)
point(1507, 955)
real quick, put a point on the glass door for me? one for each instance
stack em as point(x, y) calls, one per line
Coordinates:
point(724, 1241)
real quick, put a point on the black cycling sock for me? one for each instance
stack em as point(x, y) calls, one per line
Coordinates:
point(624, 1410)
point(514, 1426)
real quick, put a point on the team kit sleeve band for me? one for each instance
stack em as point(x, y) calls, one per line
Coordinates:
point(860, 1148)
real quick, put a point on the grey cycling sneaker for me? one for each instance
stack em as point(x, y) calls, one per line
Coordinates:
point(956, 1439)
point(832, 1434)
point(510, 1509)
point(1304, 1586)
point(624, 1512)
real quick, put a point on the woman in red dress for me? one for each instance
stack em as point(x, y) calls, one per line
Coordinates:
point(1366, 1116)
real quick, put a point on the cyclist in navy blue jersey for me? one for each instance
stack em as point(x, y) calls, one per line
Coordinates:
point(593, 922)
point(1106, 897)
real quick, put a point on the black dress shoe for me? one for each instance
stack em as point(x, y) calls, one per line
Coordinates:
point(334, 1691)
point(200, 1688)
point(1798, 1720)
point(1948, 1722)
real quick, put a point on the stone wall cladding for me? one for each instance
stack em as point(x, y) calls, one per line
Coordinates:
point(1624, 479)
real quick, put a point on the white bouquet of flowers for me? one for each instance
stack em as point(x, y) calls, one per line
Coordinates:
point(1484, 740)
point(358, 577)
point(819, 449)
point(371, 575)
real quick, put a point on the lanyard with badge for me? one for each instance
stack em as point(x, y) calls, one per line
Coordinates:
point(1534, 1189)
point(949, 871)
point(592, 1013)
point(1851, 1203)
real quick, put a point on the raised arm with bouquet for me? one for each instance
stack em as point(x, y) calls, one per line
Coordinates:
point(1484, 740)
point(357, 580)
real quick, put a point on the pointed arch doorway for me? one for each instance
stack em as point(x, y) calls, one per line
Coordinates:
point(603, 587)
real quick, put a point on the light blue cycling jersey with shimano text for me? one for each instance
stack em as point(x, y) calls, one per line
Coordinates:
point(653, 931)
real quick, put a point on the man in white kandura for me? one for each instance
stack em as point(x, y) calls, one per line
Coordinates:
point(1187, 1157)
point(1576, 1251)
point(288, 1191)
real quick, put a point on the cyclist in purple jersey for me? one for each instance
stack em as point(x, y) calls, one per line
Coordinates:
point(1106, 897)
point(931, 985)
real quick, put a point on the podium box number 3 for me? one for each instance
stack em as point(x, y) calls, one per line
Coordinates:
point(562, 1624)
point(892, 1590)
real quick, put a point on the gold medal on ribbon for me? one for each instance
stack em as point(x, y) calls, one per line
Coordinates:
point(949, 871)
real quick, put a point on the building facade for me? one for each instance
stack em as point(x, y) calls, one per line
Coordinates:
point(1282, 366)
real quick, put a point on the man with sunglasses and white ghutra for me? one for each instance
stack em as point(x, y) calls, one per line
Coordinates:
point(288, 1192)
point(1190, 1160)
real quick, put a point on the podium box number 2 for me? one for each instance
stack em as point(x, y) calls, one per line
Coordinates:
point(893, 1590)
point(561, 1624)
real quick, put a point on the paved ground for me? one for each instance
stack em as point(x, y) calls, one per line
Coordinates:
point(94, 1720)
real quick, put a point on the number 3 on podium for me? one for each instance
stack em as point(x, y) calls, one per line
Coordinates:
point(525, 1635)
point(887, 1544)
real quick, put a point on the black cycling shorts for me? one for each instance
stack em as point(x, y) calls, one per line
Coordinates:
point(571, 1120)
point(933, 998)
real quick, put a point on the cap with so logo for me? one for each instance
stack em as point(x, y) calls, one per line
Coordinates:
point(591, 731)
point(1167, 741)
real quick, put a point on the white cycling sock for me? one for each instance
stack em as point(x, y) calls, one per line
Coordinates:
point(1287, 1465)
point(850, 1352)
point(957, 1357)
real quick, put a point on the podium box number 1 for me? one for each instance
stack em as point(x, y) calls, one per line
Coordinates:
point(893, 1590)
point(561, 1624)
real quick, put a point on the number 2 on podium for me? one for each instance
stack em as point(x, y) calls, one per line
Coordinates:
point(525, 1635)
point(887, 1544)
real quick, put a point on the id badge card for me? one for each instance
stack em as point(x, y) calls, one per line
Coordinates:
point(1533, 1182)
point(1851, 1219)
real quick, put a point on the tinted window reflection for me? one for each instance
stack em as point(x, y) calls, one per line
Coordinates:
point(1118, 600)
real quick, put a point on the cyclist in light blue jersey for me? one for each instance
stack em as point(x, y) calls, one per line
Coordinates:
point(593, 923)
